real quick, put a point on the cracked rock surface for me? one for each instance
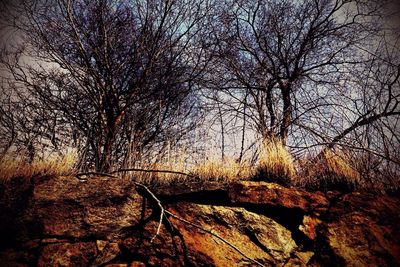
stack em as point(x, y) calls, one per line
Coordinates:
point(62, 221)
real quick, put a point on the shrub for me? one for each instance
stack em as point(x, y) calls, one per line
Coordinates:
point(376, 173)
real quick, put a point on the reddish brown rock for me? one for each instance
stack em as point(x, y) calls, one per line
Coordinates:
point(137, 264)
point(309, 226)
point(161, 250)
point(66, 254)
point(364, 230)
point(257, 236)
point(10, 257)
point(61, 221)
point(106, 252)
point(64, 206)
point(53, 240)
point(260, 193)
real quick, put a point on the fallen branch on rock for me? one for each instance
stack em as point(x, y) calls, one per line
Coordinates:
point(163, 213)
point(111, 174)
point(152, 171)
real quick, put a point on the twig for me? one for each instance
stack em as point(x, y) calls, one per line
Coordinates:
point(162, 210)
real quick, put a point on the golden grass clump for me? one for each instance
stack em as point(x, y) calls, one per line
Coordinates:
point(338, 164)
point(330, 170)
point(222, 170)
point(275, 163)
point(12, 166)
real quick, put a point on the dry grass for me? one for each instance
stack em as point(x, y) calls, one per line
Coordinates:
point(222, 170)
point(338, 164)
point(376, 173)
point(177, 164)
point(276, 164)
point(13, 166)
point(330, 170)
point(211, 169)
point(341, 170)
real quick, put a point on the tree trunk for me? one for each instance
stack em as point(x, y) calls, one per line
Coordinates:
point(287, 112)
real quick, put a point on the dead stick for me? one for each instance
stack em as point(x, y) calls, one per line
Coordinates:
point(158, 204)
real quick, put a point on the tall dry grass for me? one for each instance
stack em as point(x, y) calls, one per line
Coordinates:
point(330, 170)
point(341, 170)
point(211, 169)
point(15, 166)
point(225, 170)
point(174, 164)
point(376, 173)
point(275, 163)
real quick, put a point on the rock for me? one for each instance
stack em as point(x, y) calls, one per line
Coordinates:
point(14, 199)
point(77, 254)
point(161, 250)
point(10, 257)
point(363, 230)
point(189, 188)
point(300, 259)
point(52, 240)
point(66, 254)
point(257, 236)
point(309, 226)
point(137, 264)
point(247, 192)
point(60, 221)
point(100, 207)
point(106, 252)
point(304, 257)
point(101, 244)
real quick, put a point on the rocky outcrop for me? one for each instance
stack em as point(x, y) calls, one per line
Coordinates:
point(361, 228)
point(261, 193)
point(103, 221)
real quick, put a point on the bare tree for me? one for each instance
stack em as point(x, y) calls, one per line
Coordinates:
point(118, 76)
point(283, 54)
